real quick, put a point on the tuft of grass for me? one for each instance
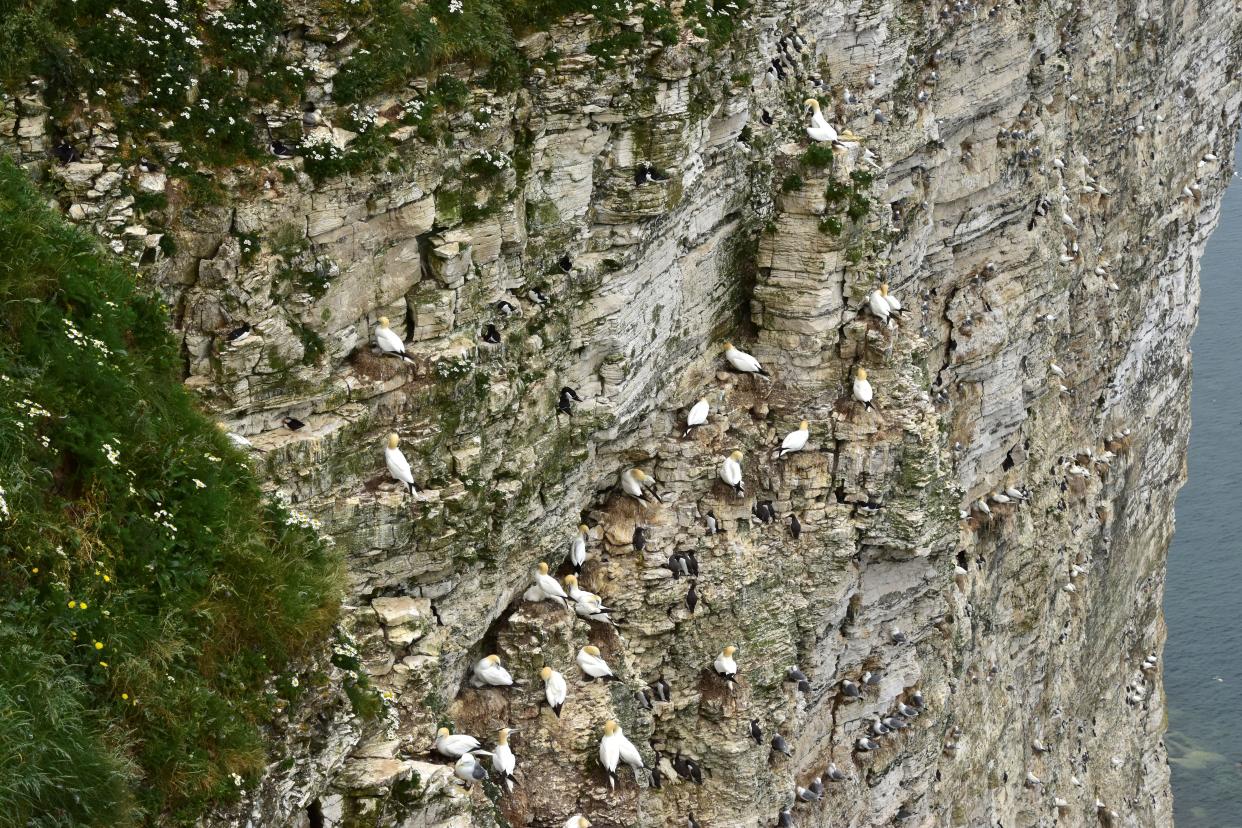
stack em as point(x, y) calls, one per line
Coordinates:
point(150, 595)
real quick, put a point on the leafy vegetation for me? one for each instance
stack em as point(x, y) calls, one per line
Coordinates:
point(152, 600)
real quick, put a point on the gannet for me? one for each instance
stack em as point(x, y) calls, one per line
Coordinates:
point(731, 472)
point(725, 666)
point(389, 343)
point(794, 440)
point(633, 482)
point(578, 550)
point(503, 760)
point(742, 361)
point(236, 439)
point(696, 417)
point(862, 388)
point(894, 304)
point(589, 661)
point(488, 671)
point(614, 748)
point(878, 305)
point(398, 466)
point(554, 689)
point(468, 770)
point(817, 118)
point(577, 821)
point(549, 585)
point(588, 605)
point(454, 745)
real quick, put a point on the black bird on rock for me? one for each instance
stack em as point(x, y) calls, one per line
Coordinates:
point(490, 335)
point(756, 732)
point(565, 404)
point(65, 153)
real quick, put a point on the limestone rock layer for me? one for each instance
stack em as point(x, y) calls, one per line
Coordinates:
point(1036, 182)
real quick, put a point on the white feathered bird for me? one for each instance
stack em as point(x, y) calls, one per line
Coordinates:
point(503, 760)
point(454, 745)
point(554, 689)
point(795, 440)
point(731, 472)
point(489, 671)
point(862, 388)
point(696, 417)
point(398, 466)
point(592, 664)
point(742, 361)
point(615, 748)
point(389, 343)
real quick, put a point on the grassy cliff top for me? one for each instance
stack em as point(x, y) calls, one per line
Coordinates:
point(150, 595)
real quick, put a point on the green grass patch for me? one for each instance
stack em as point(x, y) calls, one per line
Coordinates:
point(149, 593)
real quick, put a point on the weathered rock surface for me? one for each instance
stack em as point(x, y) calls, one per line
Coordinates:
point(1037, 183)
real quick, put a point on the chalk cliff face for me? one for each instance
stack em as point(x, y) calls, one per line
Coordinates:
point(1036, 183)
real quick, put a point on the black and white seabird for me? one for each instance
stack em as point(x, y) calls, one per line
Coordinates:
point(756, 732)
point(795, 526)
point(615, 748)
point(537, 296)
point(389, 343)
point(490, 335)
point(780, 745)
point(238, 334)
point(566, 264)
point(292, 423)
point(850, 690)
point(713, 523)
point(862, 388)
point(639, 539)
point(506, 307)
point(692, 597)
point(725, 666)
point(864, 744)
point(568, 397)
point(554, 688)
point(731, 473)
point(398, 466)
point(742, 361)
point(281, 150)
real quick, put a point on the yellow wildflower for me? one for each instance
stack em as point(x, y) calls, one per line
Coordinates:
point(72, 604)
point(82, 605)
point(34, 570)
point(103, 664)
point(106, 579)
point(125, 697)
point(98, 645)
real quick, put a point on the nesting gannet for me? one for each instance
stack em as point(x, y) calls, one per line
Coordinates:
point(634, 482)
point(862, 388)
point(503, 760)
point(454, 745)
point(588, 605)
point(742, 361)
point(592, 665)
point(615, 748)
point(578, 550)
point(794, 440)
point(389, 343)
point(731, 472)
point(817, 117)
point(577, 821)
point(488, 671)
point(894, 304)
point(696, 417)
point(878, 305)
point(725, 666)
point(554, 689)
point(398, 466)
point(468, 770)
point(549, 585)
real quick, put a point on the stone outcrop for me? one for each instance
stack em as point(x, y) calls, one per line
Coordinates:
point(1036, 184)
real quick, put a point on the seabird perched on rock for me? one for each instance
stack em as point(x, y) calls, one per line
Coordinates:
point(713, 523)
point(65, 153)
point(490, 335)
point(850, 690)
point(566, 264)
point(870, 678)
point(907, 711)
point(878, 305)
point(692, 597)
point(731, 472)
point(780, 745)
point(549, 586)
point(862, 388)
point(238, 334)
point(503, 760)
point(894, 304)
point(897, 636)
point(537, 296)
point(468, 770)
point(236, 439)
point(756, 732)
point(696, 417)
point(805, 794)
point(634, 482)
point(784, 819)
point(389, 343)
point(578, 549)
point(742, 361)
point(795, 526)
point(592, 664)
point(506, 307)
point(864, 744)
point(281, 150)
point(292, 423)
point(834, 773)
point(554, 689)
point(765, 117)
point(661, 691)
point(588, 605)
point(454, 745)
point(639, 539)
point(797, 676)
point(894, 723)
point(817, 117)
point(614, 748)
point(489, 671)
point(398, 466)
point(763, 512)
point(794, 440)
point(688, 769)
point(568, 397)
point(725, 666)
